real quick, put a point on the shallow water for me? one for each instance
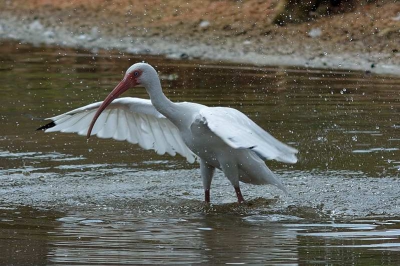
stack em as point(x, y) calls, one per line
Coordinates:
point(68, 201)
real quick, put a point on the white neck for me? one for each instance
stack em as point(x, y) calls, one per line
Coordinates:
point(159, 100)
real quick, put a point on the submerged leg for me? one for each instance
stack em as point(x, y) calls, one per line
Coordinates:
point(231, 171)
point(207, 172)
point(239, 195)
point(207, 195)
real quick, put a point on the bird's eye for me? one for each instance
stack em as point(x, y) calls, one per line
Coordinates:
point(136, 73)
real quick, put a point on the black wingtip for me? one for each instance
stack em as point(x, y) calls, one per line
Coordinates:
point(49, 125)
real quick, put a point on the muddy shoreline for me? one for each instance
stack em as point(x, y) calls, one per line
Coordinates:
point(318, 44)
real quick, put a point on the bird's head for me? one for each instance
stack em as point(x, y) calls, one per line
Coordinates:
point(138, 74)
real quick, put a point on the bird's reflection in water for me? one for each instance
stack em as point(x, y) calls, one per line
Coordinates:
point(231, 239)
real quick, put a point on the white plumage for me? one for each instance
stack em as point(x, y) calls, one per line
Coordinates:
point(132, 119)
point(218, 137)
point(240, 132)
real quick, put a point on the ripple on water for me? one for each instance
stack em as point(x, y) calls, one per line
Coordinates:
point(271, 218)
point(376, 150)
point(54, 156)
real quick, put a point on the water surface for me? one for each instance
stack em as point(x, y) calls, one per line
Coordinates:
point(68, 201)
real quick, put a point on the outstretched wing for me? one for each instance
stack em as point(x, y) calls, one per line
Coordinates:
point(240, 132)
point(132, 119)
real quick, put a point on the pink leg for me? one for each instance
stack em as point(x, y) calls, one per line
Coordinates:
point(239, 195)
point(207, 195)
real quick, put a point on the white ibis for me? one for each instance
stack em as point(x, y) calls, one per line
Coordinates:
point(219, 137)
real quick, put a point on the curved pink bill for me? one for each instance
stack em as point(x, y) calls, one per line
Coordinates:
point(118, 90)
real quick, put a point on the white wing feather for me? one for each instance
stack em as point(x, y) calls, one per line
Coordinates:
point(132, 119)
point(240, 132)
